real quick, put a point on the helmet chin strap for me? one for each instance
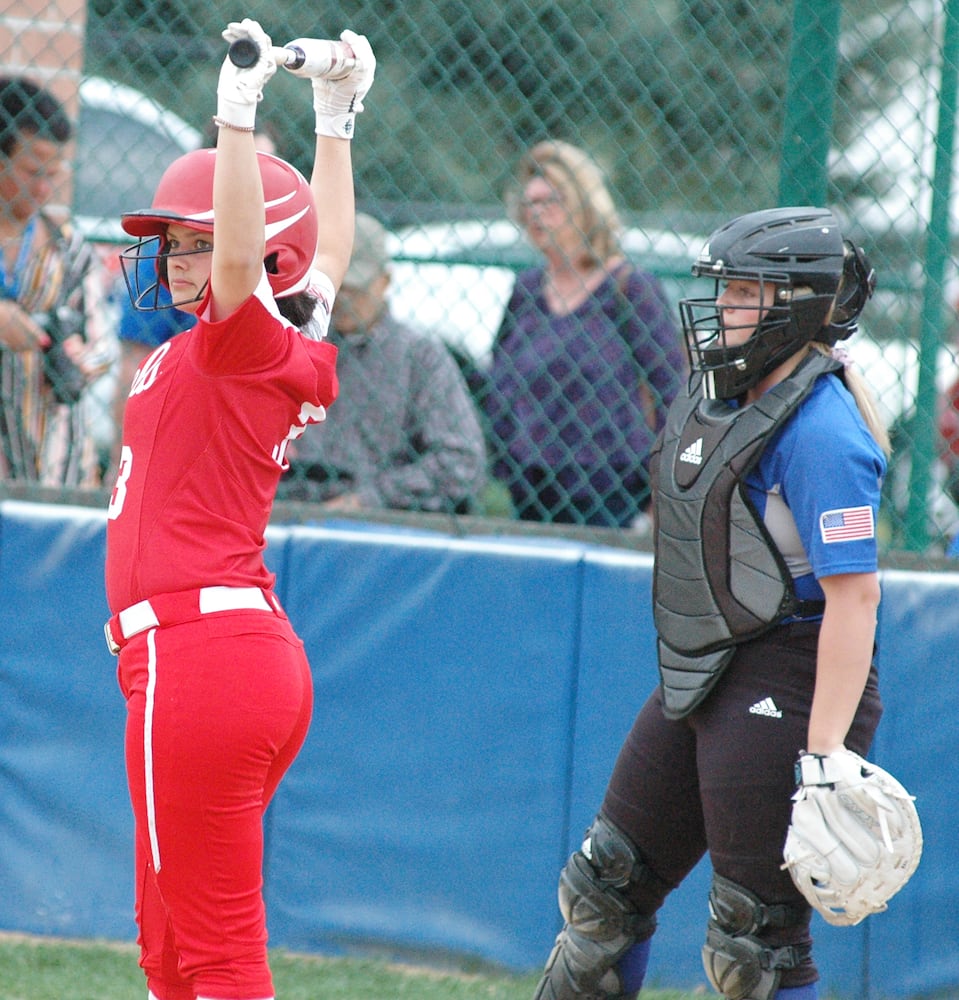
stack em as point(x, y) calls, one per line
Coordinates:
point(709, 386)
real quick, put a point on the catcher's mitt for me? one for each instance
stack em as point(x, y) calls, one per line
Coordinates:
point(854, 839)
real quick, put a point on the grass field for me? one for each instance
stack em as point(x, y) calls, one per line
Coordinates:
point(51, 969)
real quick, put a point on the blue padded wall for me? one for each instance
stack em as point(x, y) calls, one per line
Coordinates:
point(914, 947)
point(65, 822)
point(424, 810)
point(471, 697)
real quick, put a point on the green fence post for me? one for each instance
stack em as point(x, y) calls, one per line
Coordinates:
point(923, 431)
point(810, 94)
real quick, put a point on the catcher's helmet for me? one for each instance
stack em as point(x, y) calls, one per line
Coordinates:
point(185, 196)
point(820, 284)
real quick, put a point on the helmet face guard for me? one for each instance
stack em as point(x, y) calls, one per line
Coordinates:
point(801, 254)
point(144, 267)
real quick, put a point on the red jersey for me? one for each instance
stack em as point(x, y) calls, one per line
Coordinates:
point(209, 418)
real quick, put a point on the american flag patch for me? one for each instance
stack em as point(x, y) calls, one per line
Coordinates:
point(847, 525)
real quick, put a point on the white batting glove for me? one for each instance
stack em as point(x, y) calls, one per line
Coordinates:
point(239, 90)
point(338, 102)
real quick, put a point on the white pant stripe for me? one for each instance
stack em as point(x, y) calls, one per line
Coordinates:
point(148, 747)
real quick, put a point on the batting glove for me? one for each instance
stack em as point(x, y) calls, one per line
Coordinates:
point(337, 102)
point(239, 90)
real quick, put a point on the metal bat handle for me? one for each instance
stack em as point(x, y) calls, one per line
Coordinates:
point(323, 57)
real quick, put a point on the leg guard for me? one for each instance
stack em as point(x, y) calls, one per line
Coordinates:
point(738, 963)
point(601, 923)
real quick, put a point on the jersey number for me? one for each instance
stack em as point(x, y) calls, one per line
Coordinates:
point(120, 487)
point(309, 414)
point(145, 377)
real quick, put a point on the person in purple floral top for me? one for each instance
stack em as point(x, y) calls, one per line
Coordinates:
point(587, 358)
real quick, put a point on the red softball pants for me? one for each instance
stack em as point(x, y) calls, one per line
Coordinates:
point(217, 709)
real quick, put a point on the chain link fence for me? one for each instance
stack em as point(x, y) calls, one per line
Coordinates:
point(693, 112)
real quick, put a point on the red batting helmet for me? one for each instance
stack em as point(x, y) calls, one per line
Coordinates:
point(185, 196)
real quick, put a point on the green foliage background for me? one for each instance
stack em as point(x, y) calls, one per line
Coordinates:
point(680, 99)
point(683, 102)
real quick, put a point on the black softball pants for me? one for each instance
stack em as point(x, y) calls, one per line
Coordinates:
point(721, 779)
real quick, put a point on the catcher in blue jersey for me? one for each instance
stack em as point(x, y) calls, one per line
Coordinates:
point(767, 480)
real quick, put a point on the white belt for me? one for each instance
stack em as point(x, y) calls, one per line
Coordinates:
point(139, 617)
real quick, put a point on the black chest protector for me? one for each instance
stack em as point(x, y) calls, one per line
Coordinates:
point(718, 577)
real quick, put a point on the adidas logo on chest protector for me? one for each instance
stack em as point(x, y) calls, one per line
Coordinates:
point(694, 453)
point(699, 438)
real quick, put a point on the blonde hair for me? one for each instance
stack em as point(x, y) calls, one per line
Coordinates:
point(865, 401)
point(580, 182)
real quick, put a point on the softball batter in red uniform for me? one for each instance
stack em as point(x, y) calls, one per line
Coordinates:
point(217, 684)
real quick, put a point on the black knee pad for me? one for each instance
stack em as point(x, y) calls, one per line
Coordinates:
point(601, 922)
point(738, 963)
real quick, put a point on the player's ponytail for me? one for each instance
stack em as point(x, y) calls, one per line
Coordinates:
point(862, 394)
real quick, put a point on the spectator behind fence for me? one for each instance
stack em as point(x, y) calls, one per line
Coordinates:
point(53, 340)
point(949, 454)
point(142, 331)
point(404, 433)
point(949, 439)
point(587, 357)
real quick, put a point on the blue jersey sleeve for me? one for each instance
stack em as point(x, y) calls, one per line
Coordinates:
point(828, 469)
